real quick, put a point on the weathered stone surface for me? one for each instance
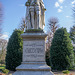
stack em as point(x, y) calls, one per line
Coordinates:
point(33, 50)
point(33, 47)
point(33, 73)
point(34, 66)
point(33, 55)
point(33, 62)
point(35, 14)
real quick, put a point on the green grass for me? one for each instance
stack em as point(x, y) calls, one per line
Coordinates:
point(2, 67)
point(66, 72)
point(5, 71)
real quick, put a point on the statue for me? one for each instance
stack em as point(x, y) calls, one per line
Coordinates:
point(35, 14)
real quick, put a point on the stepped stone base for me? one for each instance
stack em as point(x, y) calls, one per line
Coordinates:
point(33, 55)
point(33, 68)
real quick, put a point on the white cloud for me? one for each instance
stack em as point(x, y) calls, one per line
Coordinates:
point(59, 10)
point(73, 2)
point(57, 4)
point(73, 5)
point(61, 7)
point(67, 16)
point(4, 36)
point(60, 1)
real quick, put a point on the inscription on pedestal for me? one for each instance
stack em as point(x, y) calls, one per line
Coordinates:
point(34, 50)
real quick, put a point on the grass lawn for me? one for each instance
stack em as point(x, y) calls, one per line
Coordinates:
point(2, 67)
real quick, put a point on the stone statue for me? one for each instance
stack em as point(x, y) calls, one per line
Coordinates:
point(35, 14)
point(33, 60)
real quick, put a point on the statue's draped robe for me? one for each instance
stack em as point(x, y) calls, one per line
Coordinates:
point(35, 15)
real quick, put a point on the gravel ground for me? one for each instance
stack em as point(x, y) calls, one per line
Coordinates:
point(55, 73)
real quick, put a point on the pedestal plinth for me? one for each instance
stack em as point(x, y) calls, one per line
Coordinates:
point(33, 62)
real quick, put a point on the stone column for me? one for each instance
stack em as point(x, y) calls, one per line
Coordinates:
point(33, 55)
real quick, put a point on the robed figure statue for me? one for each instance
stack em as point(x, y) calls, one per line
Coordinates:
point(35, 14)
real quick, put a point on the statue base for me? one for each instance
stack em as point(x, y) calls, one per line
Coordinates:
point(33, 68)
point(33, 55)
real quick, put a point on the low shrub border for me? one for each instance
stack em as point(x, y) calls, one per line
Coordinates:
point(34, 30)
point(66, 72)
point(5, 71)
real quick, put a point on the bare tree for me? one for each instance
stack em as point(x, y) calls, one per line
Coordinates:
point(23, 24)
point(1, 16)
point(53, 26)
point(3, 45)
point(49, 40)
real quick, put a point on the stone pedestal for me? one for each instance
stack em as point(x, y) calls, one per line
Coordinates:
point(33, 62)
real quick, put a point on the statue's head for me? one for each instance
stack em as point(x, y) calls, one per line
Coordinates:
point(27, 3)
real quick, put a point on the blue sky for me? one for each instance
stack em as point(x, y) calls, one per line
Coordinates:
point(14, 11)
